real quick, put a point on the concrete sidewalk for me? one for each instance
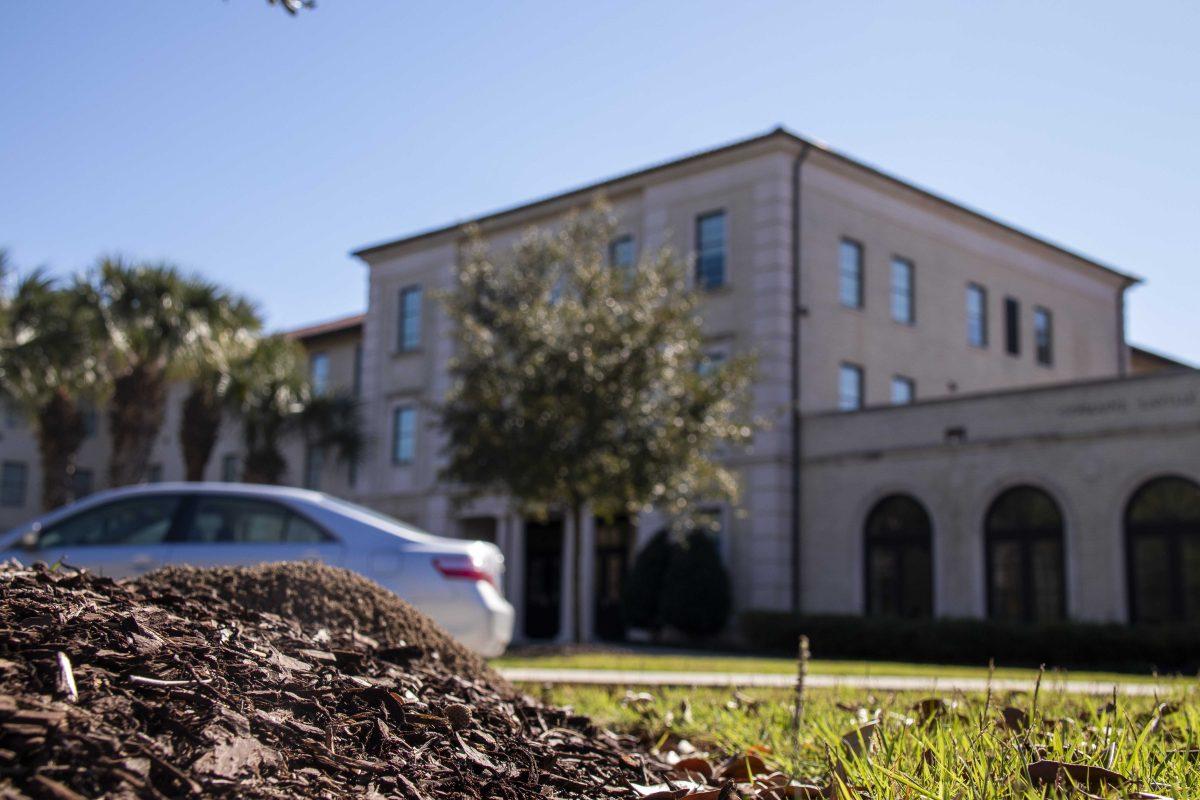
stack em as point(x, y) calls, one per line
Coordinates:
point(886, 683)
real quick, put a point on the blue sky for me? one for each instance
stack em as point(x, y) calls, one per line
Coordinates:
point(260, 149)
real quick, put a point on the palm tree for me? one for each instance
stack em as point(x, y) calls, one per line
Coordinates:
point(151, 314)
point(47, 362)
point(271, 393)
point(210, 361)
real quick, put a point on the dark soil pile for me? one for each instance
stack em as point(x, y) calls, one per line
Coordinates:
point(319, 596)
point(149, 690)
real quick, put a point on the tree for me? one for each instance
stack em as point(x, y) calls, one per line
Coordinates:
point(577, 384)
point(271, 394)
point(150, 315)
point(46, 363)
point(696, 596)
point(210, 359)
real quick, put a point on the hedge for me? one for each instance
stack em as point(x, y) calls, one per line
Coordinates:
point(1068, 645)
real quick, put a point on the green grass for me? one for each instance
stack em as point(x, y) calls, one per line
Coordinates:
point(965, 753)
point(699, 662)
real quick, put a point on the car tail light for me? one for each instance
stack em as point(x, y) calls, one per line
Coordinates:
point(462, 568)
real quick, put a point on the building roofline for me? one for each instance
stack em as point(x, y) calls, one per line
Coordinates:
point(987, 394)
point(339, 325)
point(1158, 356)
point(775, 133)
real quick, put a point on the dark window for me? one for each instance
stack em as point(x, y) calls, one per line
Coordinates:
point(318, 373)
point(138, 521)
point(710, 250)
point(621, 253)
point(904, 390)
point(314, 464)
point(82, 483)
point(1043, 336)
point(903, 291)
point(850, 387)
point(404, 435)
point(244, 520)
point(14, 475)
point(899, 563)
point(230, 465)
point(89, 419)
point(850, 273)
point(1024, 532)
point(12, 413)
point(977, 321)
point(409, 322)
point(1012, 326)
point(1162, 530)
point(154, 473)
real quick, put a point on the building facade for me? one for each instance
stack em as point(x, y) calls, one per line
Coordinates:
point(957, 426)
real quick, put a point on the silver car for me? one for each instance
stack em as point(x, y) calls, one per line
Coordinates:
point(124, 532)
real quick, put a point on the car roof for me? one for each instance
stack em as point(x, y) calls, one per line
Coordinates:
point(210, 487)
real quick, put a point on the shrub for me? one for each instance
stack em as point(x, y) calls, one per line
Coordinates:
point(641, 591)
point(696, 597)
point(1067, 645)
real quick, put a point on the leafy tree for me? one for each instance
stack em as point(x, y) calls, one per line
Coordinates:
point(271, 394)
point(210, 359)
point(47, 362)
point(576, 384)
point(293, 6)
point(696, 595)
point(151, 315)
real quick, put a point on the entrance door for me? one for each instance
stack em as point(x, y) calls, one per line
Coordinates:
point(543, 578)
point(614, 540)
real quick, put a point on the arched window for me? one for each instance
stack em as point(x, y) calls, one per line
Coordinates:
point(1024, 533)
point(1162, 541)
point(899, 580)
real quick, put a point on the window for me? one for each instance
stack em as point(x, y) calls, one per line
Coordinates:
point(154, 473)
point(903, 305)
point(1012, 326)
point(621, 253)
point(358, 369)
point(904, 390)
point(404, 435)
point(850, 273)
point(12, 414)
point(409, 336)
point(1043, 336)
point(314, 463)
point(1024, 533)
point(14, 475)
point(710, 250)
point(242, 520)
point(139, 521)
point(82, 483)
point(850, 387)
point(318, 373)
point(88, 412)
point(977, 322)
point(1162, 544)
point(230, 465)
point(711, 362)
point(898, 557)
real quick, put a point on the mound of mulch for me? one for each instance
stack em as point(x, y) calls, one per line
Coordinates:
point(319, 596)
point(150, 690)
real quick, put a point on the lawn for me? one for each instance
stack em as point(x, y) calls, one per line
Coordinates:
point(707, 662)
point(913, 746)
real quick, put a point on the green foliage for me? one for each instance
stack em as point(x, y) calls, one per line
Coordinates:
point(696, 593)
point(576, 382)
point(1068, 645)
point(641, 591)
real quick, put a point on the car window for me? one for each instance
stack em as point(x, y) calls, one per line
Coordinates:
point(241, 520)
point(138, 521)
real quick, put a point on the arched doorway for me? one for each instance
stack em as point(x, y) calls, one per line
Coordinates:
point(1025, 575)
point(898, 558)
point(1162, 546)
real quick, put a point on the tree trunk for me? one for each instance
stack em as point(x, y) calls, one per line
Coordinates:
point(576, 570)
point(60, 433)
point(199, 428)
point(135, 417)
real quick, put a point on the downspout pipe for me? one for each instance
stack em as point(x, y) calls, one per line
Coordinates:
point(797, 312)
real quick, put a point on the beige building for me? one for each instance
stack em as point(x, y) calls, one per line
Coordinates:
point(958, 427)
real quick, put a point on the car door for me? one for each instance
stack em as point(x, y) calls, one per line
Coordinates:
point(236, 530)
point(121, 538)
